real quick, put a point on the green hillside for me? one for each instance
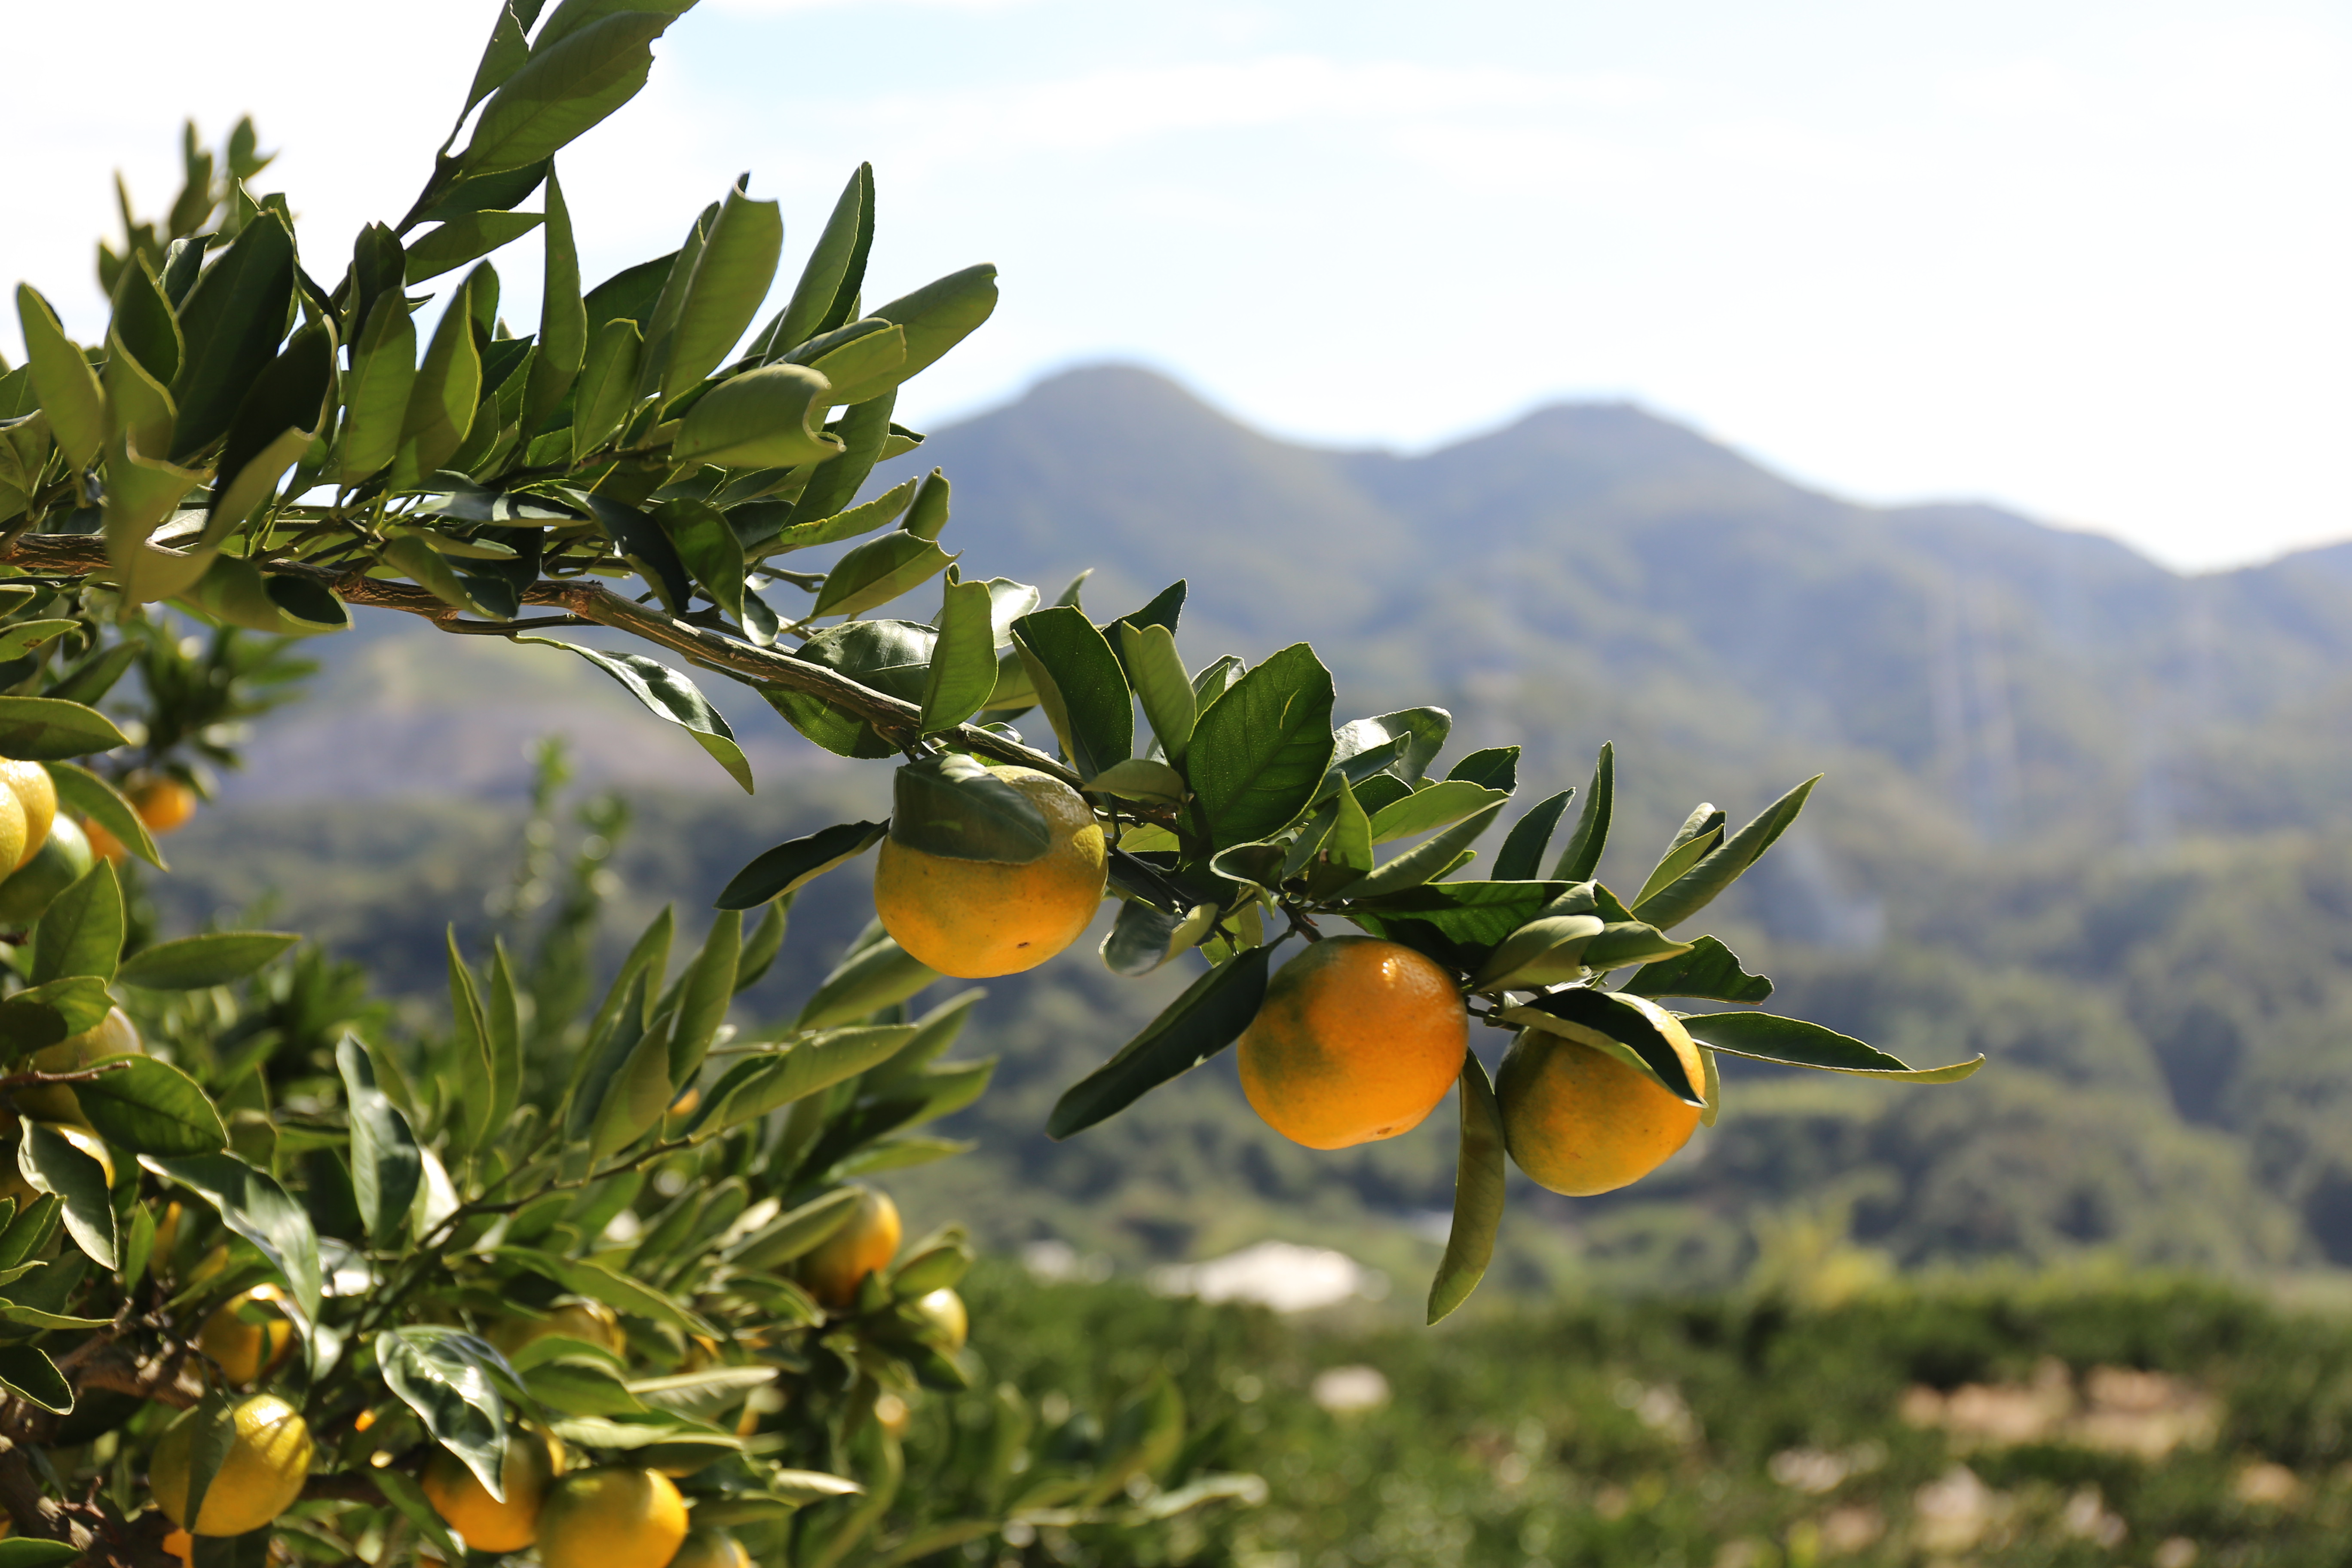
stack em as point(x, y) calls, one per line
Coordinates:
point(2082, 814)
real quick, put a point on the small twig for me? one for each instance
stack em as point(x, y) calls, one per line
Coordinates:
point(79, 1074)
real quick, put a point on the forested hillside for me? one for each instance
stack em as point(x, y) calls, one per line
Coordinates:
point(2082, 814)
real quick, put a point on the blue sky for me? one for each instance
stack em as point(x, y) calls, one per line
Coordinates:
point(2085, 258)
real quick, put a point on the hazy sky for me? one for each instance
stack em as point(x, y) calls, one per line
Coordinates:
point(2089, 259)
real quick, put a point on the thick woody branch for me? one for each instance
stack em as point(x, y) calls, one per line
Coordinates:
point(81, 555)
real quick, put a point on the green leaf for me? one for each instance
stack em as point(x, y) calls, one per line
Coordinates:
point(1143, 938)
point(731, 275)
point(463, 237)
point(150, 1107)
point(928, 519)
point(409, 1500)
point(52, 1164)
point(564, 89)
point(873, 977)
point(606, 389)
point(72, 399)
point(834, 273)
point(562, 317)
point(449, 386)
point(84, 792)
point(877, 572)
point(424, 566)
point(194, 962)
point(255, 1206)
point(941, 314)
point(953, 805)
point(232, 322)
point(1459, 924)
point(861, 361)
point(703, 995)
point(1795, 1043)
point(770, 417)
point(1479, 1174)
point(385, 1164)
point(1582, 856)
point(891, 657)
point(47, 730)
point(668, 695)
point(376, 393)
point(1595, 1017)
point(1156, 671)
point(1432, 808)
point(861, 433)
point(1622, 942)
point(1139, 779)
point(29, 1552)
point(1423, 730)
point(1545, 951)
point(794, 1233)
point(1496, 768)
point(1079, 685)
point(1259, 752)
point(707, 547)
point(1521, 858)
point(1430, 858)
point(81, 931)
point(1696, 887)
point(880, 512)
point(793, 865)
point(617, 1292)
point(45, 1015)
point(571, 16)
point(502, 57)
point(647, 546)
point(963, 660)
point(1209, 1015)
point(1709, 972)
point(444, 1375)
point(277, 423)
point(21, 637)
point(29, 1375)
point(1699, 834)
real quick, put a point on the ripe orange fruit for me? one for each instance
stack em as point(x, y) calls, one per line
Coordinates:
point(533, 1461)
point(973, 919)
point(181, 1545)
point(268, 1462)
point(163, 804)
point(611, 1519)
point(867, 1242)
point(113, 1035)
point(244, 1351)
point(711, 1549)
point(1358, 1039)
point(1580, 1121)
point(36, 792)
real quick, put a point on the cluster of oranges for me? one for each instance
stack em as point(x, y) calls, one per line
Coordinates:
point(43, 852)
point(1359, 1038)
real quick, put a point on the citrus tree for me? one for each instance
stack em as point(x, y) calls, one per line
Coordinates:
point(603, 1284)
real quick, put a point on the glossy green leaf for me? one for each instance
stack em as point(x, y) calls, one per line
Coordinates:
point(1595, 1017)
point(1581, 855)
point(150, 1107)
point(877, 572)
point(1521, 857)
point(880, 513)
point(43, 1015)
point(562, 317)
point(1698, 834)
point(645, 545)
point(1432, 807)
point(1079, 685)
point(1795, 1043)
point(1424, 730)
point(794, 864)
point(571, 15)
point(765, 418)
point(1157, 672)
point(891, 657)
point(80, 933)
point(464, 238)
point(941, 314)
point(953, 805)
point(72, 399)
point(708, 548)
point(1709, 972)
point(1479, 1174)
point(1139, 779)
point(1429, 859)
point(279, 418)
point(1622, 942)
point(1143, 938)
point(1496, 768)
point(704, 993)
point(502, 57)
point(448, 384)
point(386, 1166)
point(376, 393)
point(927, 518)
point(617, 1292)
point(194, 962)
point(606, 389)
point(863, 361)
point(1259, 752)
point(26, 1372)
point(795, 1233)
point(1545, 951)
point(26, 1551)
point(873, 977)
point(47, 730)
point(1209, 1015)
point(835, 271)
point(52, 1164)
point(731, 275)
point(564, 90)
point(444, 1375)
point(232, 322)
point(963, 660)
point(1696, 887)
point(668, 695)
point(20, 637)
